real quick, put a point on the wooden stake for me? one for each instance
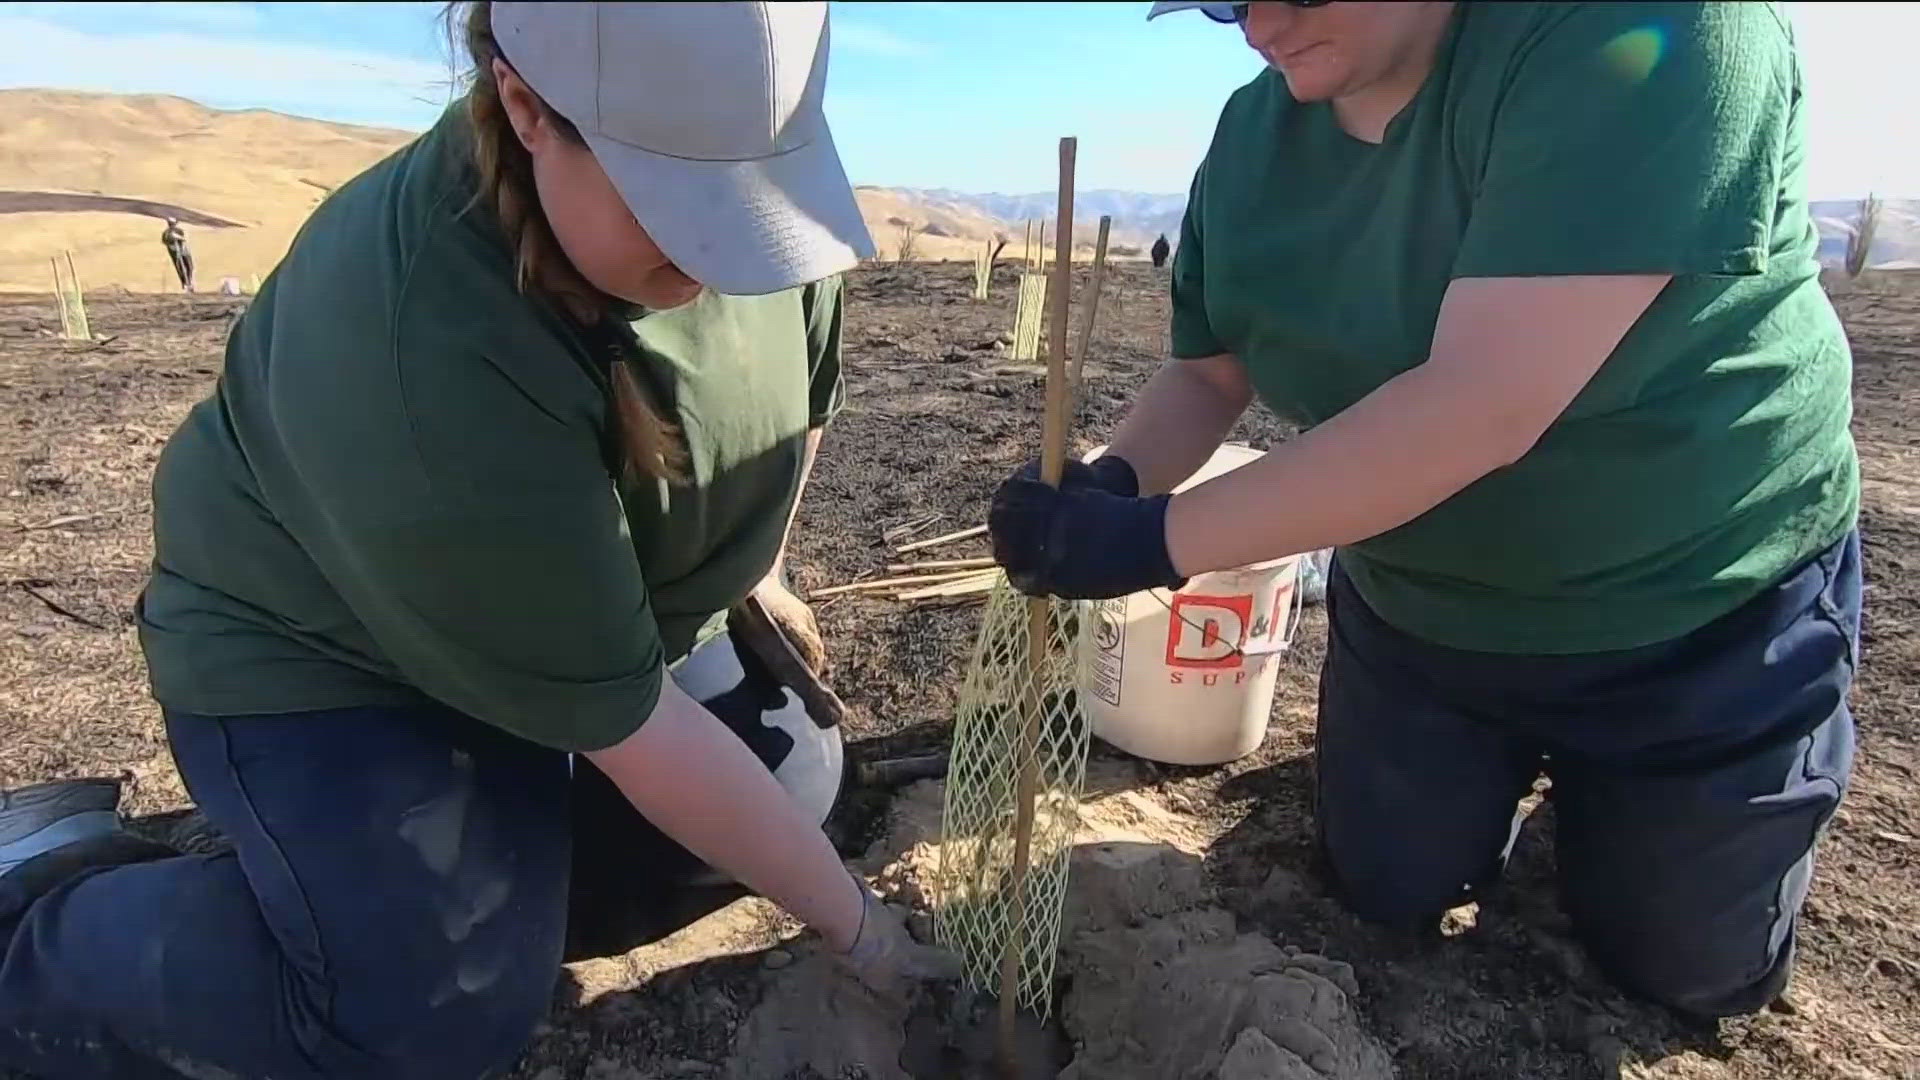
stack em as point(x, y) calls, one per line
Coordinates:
point(1053, 458)
point(1092, 307)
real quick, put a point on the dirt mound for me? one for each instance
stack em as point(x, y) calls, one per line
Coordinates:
point(1189, 997)
point(1160, 982)
point(815, 1019)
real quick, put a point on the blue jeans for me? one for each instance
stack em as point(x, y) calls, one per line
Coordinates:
point(403, 886)
point(1691, 779)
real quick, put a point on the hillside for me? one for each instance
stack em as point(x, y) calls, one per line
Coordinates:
point(264, 170)
point(1138, 216)
point(267, 171)
point(942, 231)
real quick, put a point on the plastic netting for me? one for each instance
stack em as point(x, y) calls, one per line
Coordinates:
point(1004, 701)
point(1027, 316)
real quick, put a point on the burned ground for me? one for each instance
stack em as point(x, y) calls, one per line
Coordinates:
point(937, 413)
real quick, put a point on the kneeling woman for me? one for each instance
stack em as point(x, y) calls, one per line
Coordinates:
point(1538, 281)
point(522, 415)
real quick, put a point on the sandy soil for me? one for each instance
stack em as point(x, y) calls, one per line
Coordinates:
point(937, 415)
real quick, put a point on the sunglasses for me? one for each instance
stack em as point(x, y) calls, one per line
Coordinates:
point(1240, 10)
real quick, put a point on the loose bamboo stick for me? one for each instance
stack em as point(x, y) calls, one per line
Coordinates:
point(966, 586)
point(939, 564)
point(905, 581)
point(950, 538)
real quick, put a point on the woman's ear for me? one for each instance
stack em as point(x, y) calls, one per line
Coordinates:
point(523, 106)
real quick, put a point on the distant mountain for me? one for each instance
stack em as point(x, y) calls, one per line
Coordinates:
point(1138, 216)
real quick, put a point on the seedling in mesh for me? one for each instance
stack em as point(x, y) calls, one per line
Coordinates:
point(1020, 746)
point(978, 913)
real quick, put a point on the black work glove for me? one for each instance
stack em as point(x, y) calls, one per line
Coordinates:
point(1106, 472)
point(1083, 541)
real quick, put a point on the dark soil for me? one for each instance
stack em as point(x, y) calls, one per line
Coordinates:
point(937, 415)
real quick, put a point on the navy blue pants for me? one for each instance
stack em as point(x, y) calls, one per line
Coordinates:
point(1690, 779)
point(403, 885)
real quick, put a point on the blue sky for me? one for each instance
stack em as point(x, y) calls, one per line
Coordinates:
point(962, 95)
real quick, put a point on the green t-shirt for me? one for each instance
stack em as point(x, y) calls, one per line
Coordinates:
point(1711, 452)
point(405, 485)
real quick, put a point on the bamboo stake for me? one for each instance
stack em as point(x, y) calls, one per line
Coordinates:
point(881, 584)
point(963, 586)
point(950, 538)
point(1053, 455)
point(939, 564)
point(1092, 308)
point(970, 596)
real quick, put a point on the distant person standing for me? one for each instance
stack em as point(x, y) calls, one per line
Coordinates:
point(1159, 251)
point(175, 240)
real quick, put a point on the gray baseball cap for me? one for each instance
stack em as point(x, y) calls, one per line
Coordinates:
point(707, 118)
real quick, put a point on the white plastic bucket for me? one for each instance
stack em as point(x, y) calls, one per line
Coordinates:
point(1187, 677)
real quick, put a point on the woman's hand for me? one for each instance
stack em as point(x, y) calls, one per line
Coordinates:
point(885, 957)
point(1081, 541)
point(1107, 472)
point(693, 778)
point(698, 783)
point(780, 629)
point(795, 620)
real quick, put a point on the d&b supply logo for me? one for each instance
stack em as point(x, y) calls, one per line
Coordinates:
point(1206, 636)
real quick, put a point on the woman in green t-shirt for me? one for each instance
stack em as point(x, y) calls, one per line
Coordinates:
point(1537, 282)
point(439, 615)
